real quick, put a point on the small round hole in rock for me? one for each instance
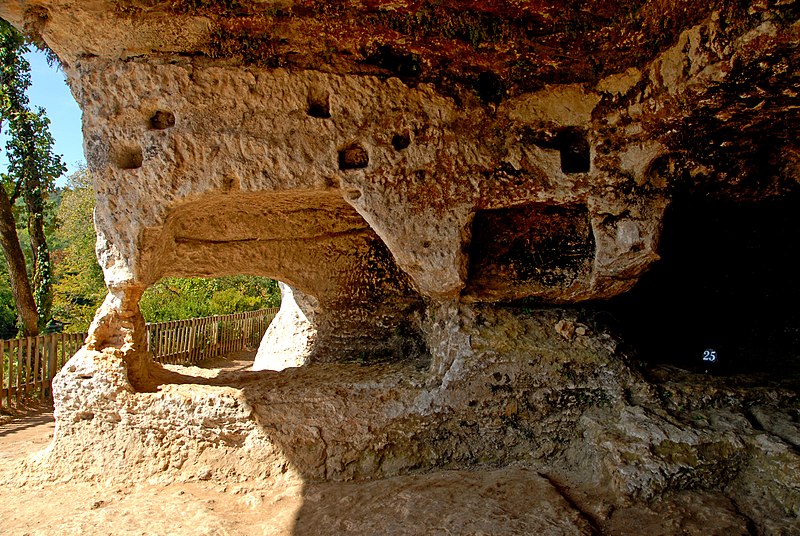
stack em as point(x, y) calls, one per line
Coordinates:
point(319, 103)
point(400, 141)
point(128, 157)
point(162, 120)
point(318, 110)
point(353, 157)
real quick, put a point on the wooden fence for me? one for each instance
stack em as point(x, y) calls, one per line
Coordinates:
point(28, 365)
point(186, 342)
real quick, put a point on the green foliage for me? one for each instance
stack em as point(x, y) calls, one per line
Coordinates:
point(8, 313)
point(30, 156)
point(32, 170)
point(15, 75)
point(181, 298)
point(79, 288)
point(43, 286)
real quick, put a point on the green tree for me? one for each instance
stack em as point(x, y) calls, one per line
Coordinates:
point(8, 312)
point(14, 80)
point(32, 170)
point(180, 298)
point(78, 288)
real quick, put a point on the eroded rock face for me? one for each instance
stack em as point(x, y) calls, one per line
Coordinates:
point(406, 168)
point(410, 151)
point(290, 339)
point(505, 388)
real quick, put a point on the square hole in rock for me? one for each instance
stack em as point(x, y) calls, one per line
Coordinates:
point(529, 250)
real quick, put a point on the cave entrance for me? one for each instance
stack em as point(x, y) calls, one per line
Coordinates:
point(350, 301)
point(726, 282)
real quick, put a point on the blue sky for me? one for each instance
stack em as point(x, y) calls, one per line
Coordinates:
point(50, 91)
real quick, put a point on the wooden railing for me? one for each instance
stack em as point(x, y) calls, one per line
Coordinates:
point(186, 342)
point(28, 365)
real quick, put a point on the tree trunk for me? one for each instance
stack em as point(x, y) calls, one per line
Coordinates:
point(36, 234)
point(17, 274)
point(42, 285)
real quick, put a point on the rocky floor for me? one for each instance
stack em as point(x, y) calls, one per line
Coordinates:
point(505, 501)
point(510, 500)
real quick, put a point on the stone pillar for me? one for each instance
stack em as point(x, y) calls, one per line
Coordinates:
point(291, 336)
point(307, 330)
point(119, 328)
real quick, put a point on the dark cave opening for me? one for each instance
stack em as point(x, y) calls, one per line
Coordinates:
point(725, 283)
point(574, 149)
point(319, 105)
point(162, 120)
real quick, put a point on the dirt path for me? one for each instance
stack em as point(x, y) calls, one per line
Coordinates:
point(232, 362)
point(91, 508)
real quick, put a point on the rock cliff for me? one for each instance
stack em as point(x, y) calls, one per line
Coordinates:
point(424, 176)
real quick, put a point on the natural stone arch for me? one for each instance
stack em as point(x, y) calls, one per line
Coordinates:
point(313, 241)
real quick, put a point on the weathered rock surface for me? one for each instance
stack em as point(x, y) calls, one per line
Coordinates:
point(508, 389)
point(292, 335)
point(410, 168)
point(496, 153)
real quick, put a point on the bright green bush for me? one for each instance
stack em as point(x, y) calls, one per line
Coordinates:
point(181, 298)
point(8, 313)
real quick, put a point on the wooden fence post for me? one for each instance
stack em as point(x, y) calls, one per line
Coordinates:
point(62, 356)
point(26, 373)
point(52, 362)
point(19, 371)
point(10, 371)
point(37, 375)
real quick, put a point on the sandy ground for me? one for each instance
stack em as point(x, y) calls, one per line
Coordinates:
point(454, 502)
point(202, 508)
